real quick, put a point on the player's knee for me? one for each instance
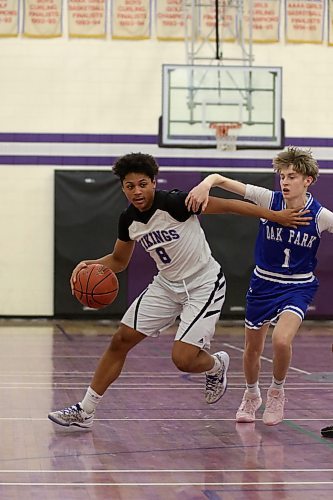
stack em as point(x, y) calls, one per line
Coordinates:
point(253, 351)
point(120, 341)
point(117, 341)
point(281, 343)
point(182, 362)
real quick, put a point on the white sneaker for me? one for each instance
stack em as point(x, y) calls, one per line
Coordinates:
point(274, 410)
point(216, 384)
point(73, 415)
point(248, 407)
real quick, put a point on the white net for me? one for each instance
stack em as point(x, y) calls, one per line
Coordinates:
point(226, 135)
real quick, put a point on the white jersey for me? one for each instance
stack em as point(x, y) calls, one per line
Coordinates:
point(169, 233)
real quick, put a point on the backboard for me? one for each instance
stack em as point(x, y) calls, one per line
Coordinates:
point(195, 97)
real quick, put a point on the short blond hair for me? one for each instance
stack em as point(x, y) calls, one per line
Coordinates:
point(301, 159)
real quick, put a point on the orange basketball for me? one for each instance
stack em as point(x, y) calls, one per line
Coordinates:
point(96, 286)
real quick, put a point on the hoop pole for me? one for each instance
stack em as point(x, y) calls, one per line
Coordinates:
point(217, 34)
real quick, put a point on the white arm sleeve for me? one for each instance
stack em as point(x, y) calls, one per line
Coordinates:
point(259, 195)
point(325, 221)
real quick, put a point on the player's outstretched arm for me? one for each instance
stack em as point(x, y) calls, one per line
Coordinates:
point(291, 217)
point(198, 196)
point(118, 260)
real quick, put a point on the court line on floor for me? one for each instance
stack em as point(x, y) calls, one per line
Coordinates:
point(325, 386)
point(155, 471)
point(140, 374)
point(289, 422)
point(203, 483)
point(231, 346)
point(166, 384)
point(125, 419)
point(81, 356)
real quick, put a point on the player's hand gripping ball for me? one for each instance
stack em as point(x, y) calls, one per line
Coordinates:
point(96, 286)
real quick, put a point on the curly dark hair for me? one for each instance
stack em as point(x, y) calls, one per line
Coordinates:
point(301, 159)
point(139, 163)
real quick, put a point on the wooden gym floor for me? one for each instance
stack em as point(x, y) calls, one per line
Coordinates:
point(154, 437)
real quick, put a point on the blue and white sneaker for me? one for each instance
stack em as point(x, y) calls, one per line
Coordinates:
point(216, 384)
point(73, 415)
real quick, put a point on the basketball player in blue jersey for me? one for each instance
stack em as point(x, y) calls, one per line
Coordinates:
point(189, 284)
point(283, 284)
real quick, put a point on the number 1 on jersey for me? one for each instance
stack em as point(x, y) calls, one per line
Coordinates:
point(287, 257)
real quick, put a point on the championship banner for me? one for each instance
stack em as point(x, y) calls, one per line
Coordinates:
point(264, 19)
point(305, 21)
point(227, 15)
point(8, 17)
point(170, 22)
point(330, 22)
point(131, 19)
point(42, 18)
point(87, 18)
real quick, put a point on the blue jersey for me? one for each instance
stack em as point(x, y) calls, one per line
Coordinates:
point(284, 254)
point(283, 278)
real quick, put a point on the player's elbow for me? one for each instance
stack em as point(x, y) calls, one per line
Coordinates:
point(122, 267)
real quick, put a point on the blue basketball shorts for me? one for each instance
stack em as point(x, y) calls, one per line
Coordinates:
point(266, 300)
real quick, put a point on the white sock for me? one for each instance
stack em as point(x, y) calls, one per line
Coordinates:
point(277, 384)
point(216, 367)
point(253, 388)
point(90, 400)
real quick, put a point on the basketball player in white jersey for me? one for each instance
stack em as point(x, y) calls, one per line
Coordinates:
point(283, 283)
point(189, 284)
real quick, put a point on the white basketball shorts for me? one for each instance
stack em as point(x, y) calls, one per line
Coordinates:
point(197, 301)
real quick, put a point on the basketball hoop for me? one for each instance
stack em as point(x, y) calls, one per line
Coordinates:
point(224, 140)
